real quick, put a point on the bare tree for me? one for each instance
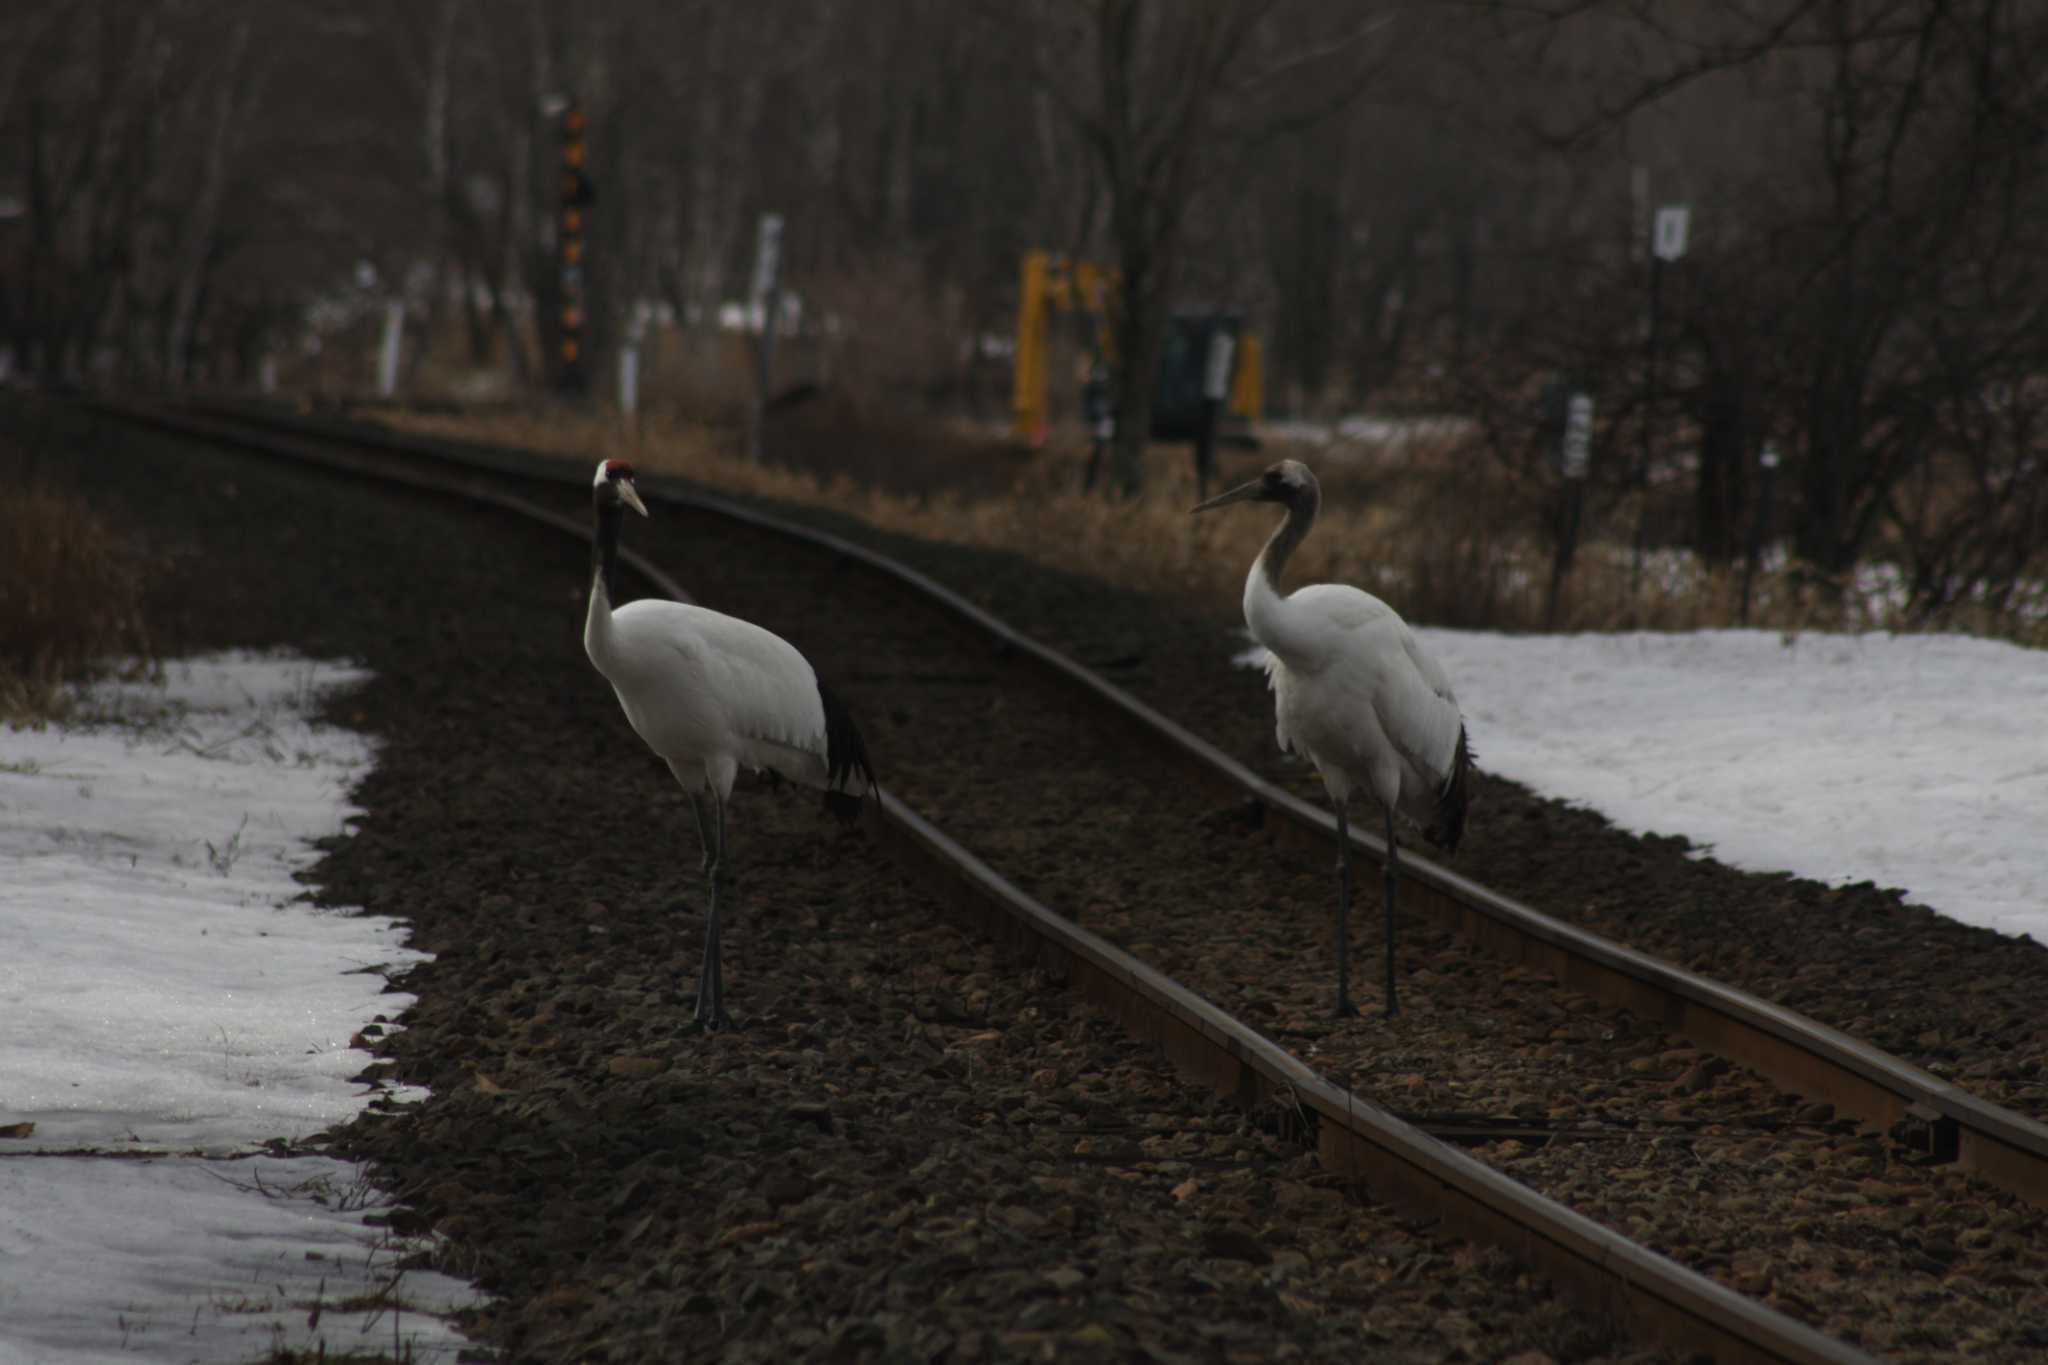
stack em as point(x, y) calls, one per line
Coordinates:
point(1165, 97)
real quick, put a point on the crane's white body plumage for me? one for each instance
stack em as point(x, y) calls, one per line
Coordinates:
point(1356, 693)
point(712, 694)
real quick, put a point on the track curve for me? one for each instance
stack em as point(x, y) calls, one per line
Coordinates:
point(1354, 1136)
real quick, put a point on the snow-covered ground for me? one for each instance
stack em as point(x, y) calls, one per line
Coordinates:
point(1914, 761)
point(167, 1010)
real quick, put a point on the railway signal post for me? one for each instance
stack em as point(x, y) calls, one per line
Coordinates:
point(572, 375)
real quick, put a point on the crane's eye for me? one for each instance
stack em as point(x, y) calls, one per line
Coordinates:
point(618, 469)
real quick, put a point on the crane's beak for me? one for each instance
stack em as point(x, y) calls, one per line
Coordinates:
point(1244, 492)
point(632, 498)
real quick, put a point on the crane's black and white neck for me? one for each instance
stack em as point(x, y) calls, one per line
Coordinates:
point(611, 492)
point(1356, 693)
point(712, 694)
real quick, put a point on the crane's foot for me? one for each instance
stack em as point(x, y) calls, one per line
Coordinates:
point(710, 1015)
point(710, 1019)
point(1345, 1009)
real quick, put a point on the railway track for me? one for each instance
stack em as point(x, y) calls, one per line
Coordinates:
point(1356, 1137)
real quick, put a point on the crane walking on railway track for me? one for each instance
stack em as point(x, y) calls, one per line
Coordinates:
point(1354, 690)
point(711, 694)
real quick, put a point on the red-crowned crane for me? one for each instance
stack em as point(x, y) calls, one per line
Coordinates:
point(1353, 690)
point(712, 694)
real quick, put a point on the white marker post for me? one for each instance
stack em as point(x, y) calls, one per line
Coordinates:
point(387, 355)
point(766, 297)
point(1760, 524)
point(629, 380)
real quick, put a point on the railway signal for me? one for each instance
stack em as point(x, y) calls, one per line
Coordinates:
point(572, 375)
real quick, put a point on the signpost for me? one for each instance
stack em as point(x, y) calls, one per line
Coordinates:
point(1760, 525)
point(1575, 459)
point(1215, 392)
point(1098, 409)
point(1667, 244)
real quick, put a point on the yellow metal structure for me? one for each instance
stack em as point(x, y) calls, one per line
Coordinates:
point(1248, 379)
point(1051, 282)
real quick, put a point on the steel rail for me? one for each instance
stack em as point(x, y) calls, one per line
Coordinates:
point(1645, 1294)
point(1799, 1054)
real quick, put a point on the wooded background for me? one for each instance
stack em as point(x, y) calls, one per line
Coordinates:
point(1420, 205)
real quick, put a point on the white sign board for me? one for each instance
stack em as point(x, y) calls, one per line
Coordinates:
point(1216, 376)
point(1668, 240)
point(767, 255)
point(1578, 436)
point(1769, 458)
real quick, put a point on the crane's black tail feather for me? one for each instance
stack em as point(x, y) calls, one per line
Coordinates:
point(846, 757)
point(1449, 825)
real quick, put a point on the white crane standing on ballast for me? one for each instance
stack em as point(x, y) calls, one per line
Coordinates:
point(712, 694)
point(1354, 690)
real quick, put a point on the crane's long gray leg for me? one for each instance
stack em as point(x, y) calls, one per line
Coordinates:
point(1345, 1009)
point(711, 977)
point(703, 831)
point(1393, 871)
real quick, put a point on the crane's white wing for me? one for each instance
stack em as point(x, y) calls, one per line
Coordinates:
point(1352, 681)
point(701, 684)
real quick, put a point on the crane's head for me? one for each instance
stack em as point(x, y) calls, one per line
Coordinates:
point(614, 485)
point(1285, 482)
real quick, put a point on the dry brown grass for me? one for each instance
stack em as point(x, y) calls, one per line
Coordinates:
point(70, 599)
point(1429, 528)
point(1031, 506)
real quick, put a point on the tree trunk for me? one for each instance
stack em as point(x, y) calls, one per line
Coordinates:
point(1724, 446)
point(198, 238)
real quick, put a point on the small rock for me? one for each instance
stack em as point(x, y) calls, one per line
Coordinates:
point(633, 1068)
point(1230, 1242)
